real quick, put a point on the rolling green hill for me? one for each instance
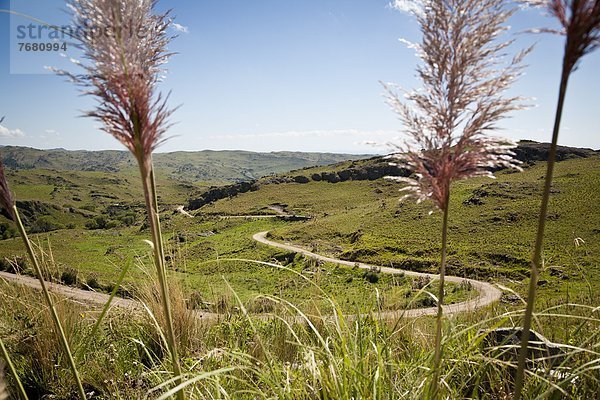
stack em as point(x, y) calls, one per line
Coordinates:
point(195, 166)
point(492, 222)
point(93, 220)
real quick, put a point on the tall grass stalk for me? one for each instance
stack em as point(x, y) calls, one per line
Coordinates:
point(580, 20)
point(536, 260)
point(440, 303)
point(48, 298)
point(13, 371)
point(122, 71)
point(150, 197)
point(465, 74)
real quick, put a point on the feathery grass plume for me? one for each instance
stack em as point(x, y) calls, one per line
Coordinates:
point(124, 50)
point(465, 73)
point(580, 20)
point(7, 202)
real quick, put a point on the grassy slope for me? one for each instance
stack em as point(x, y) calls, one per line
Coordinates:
point(363, 221)
point(72, 198)
point(101, 253)
point(356, 220)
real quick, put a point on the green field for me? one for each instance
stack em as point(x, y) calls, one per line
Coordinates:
point(200, 262)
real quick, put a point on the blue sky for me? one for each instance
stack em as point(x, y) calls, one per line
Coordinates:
point(268, 75)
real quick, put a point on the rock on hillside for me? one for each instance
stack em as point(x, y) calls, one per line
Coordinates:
point(221, 192)
point(529, 152)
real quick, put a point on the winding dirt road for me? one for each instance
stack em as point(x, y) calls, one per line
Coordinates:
point(487, 293)
point(84, 296)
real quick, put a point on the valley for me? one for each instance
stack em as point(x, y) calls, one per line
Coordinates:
point(91, 228)
point(265, 259)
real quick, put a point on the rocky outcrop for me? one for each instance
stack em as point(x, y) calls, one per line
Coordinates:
point(301, 179)
point(222, 192)
point(29, 210)
point(373, 169)
point(529, 151)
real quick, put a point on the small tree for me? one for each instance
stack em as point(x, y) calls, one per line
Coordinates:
point(465, 73)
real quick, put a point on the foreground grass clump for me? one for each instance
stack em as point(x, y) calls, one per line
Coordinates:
point(289, 355)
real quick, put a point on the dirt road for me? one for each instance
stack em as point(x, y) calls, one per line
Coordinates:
point(488, 293)
point(84, 296)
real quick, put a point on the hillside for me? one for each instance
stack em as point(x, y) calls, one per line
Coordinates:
point(93, 220)
point(528, 152)
point(492, 222)
point(198, 166)
point(89, 226)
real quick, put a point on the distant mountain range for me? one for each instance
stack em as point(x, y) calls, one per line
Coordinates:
point(218, 167)
point(194, 166)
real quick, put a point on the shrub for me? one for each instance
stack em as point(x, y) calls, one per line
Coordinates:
point(259, 305)
point(425, 301)
point(92, 282)
point(127, 220)
point(15, 266)
point(101, 222)
point(69, 276)
point(7, 231)
point(111, 224)
point(371, 276)
point(420, 283)
point(463, 286)
point(196, 301)
point(45, 224)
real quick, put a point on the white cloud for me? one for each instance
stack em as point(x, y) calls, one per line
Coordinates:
point(314, 133)
point(11, 133)
point(180, 28)
point(407, 6)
